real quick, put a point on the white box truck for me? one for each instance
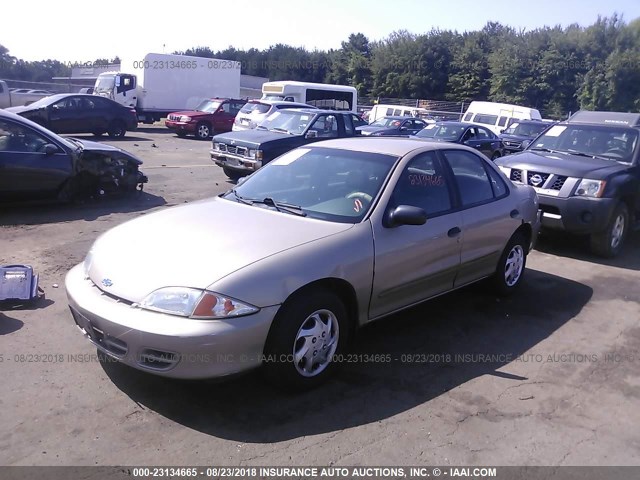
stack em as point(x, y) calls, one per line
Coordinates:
point(160, 84)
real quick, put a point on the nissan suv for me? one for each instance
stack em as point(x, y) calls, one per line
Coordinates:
point(586, 171)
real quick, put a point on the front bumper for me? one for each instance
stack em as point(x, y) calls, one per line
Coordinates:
point(166, 345)
point(235, 162)
point(580, 215)
point(180, 126)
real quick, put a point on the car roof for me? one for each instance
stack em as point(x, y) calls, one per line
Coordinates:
point(396, 146)
point(398, 117)
point(315, 111)
point(279, 102)
point(606, 118)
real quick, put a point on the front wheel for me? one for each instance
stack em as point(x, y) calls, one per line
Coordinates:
point(203, 131)
point(609, 243)
point(510, 270)
point(232, 174)
point(305, 337)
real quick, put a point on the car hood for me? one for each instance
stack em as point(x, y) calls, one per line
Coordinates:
point(192, 113)
point(19, 109)
point(561, 164)
point(111, 151)
point(248, 138)
point(195, 245)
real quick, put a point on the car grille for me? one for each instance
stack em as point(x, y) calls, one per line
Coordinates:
point(98, 336)
point(516, 175)
point(233, 149)
point(558, 183)
point(174, 118)
point(532, 176)
point(512, 144)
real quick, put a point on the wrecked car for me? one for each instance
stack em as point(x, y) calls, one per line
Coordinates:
point(35, 163)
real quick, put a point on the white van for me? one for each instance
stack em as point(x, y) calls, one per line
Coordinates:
point(498, 116)
point(380, 111)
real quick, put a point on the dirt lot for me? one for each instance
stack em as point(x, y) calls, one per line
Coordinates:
point(547, 377)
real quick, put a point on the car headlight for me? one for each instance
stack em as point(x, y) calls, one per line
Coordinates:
point(251, 153)
point(590, 188)
point(195, 303)
point(216, 146)
point(184, 118)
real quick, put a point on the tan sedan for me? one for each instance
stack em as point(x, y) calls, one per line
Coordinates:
point(280, 270)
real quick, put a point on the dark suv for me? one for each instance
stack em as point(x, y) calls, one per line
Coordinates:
point(214, 115)
point(242, 153)
point(587, 174)
point(520, 134)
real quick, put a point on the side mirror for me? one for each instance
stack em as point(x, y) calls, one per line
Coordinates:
point(503, 130)
point(50, 149)
point(405, 215)
point(241, 180)
point(311, 134)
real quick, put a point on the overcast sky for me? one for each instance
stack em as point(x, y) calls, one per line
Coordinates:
point(79, 31)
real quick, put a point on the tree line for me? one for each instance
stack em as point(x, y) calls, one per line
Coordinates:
point(557, 70)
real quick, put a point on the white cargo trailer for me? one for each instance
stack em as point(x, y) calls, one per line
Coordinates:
point(159, 84)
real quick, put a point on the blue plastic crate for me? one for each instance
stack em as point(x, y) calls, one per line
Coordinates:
point(18, 282)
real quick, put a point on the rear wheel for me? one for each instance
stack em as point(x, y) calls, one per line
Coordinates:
point(609, 243)
point(98, 133)
point(309, 330)
point(117, 129)
point(181, 134)
point(203, 131)
point(510, 269)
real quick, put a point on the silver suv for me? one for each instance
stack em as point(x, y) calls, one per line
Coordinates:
point(255, 111)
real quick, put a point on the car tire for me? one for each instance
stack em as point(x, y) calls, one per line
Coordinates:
point(232, 174)
point(495, 156)
point(314, 322)
point(117, 129)
point(181, 134)
point(609, 243)
point(98, 133)
point(511, 266)
point(203, 131)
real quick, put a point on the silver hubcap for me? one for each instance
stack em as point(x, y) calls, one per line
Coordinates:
point(617, 232)
point(203, 131)
point(513, 266)
point(316, 343)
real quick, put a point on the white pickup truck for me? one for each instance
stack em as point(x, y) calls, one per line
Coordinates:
point(11, 99)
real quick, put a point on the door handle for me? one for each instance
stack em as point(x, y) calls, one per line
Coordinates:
point(515, 214)
point(454, 232)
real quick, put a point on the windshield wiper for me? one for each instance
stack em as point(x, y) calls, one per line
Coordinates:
point(261, 127)
point(278, 129)
point(240, 198)
point(282, 207)
point(541, 149)
point(588, 155)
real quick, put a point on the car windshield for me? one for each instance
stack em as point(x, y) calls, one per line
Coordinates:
point(441, 132)
point(255, 108)
point(611, 143)
point(287, 121)
point(386, 122)
point(323, 183)
point(208, 106)
point(526, 129)
point(105, 83)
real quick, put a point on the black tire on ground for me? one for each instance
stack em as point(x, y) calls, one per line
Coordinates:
point(232, 174)
point(511, 266)
point(98, 133)
point(117, 129)
point(309, 330)
point(203, 131)
point(181, 134)
point(609, 243)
